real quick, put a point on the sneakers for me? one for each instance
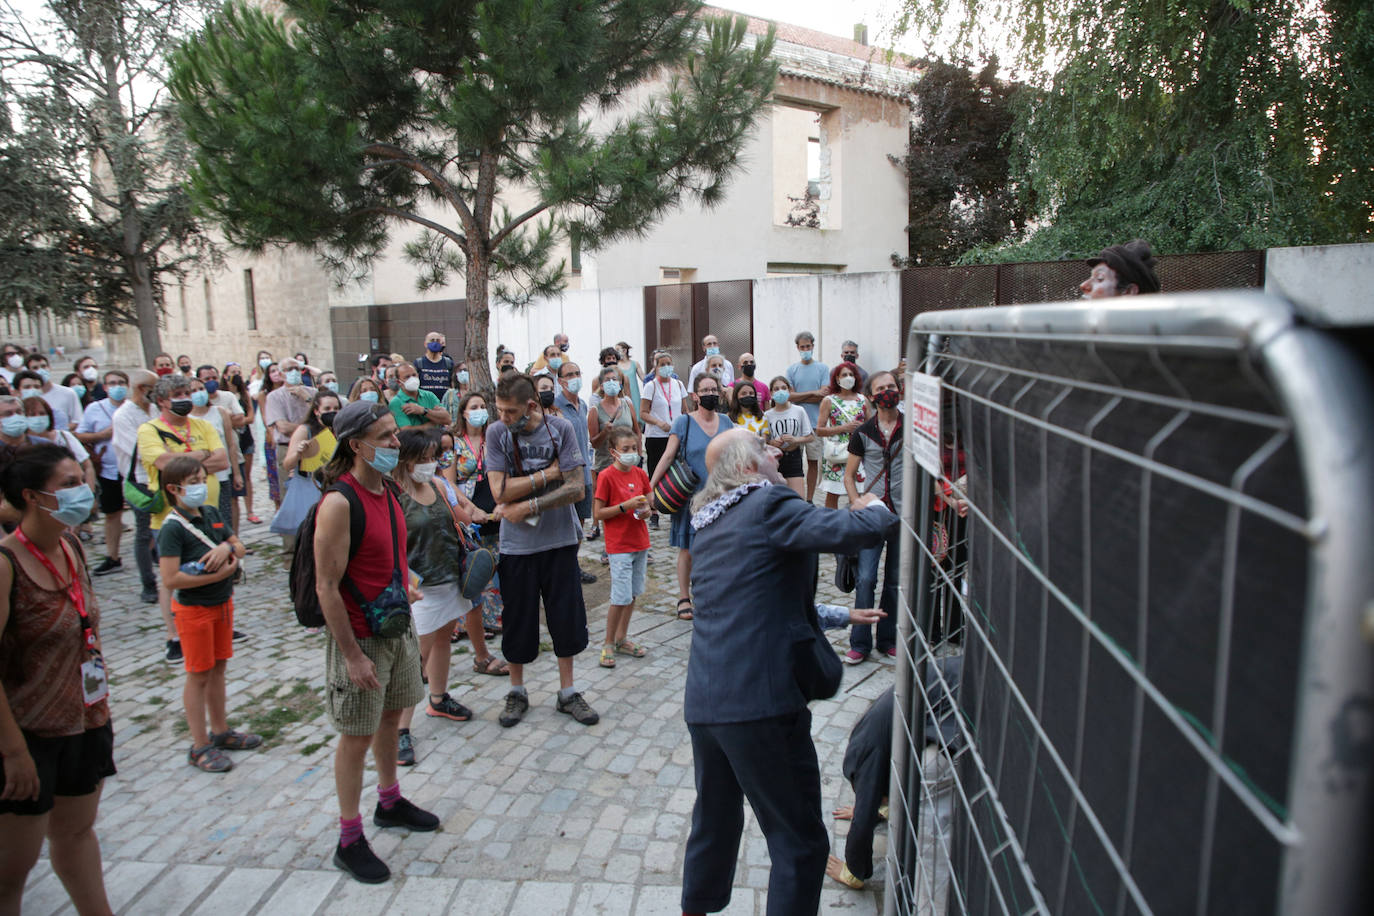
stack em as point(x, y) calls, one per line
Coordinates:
point(587, 578)
point(447, 708)
point(174, 650)
point(577, 708)
point(854, 657)
point(405, 814)
point(517, 704)
point(405, 750)
point(148, 595)
point(239, 635)
point(107, 566)
point(358, 859)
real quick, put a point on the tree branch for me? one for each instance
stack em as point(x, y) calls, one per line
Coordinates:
point(456, 237)
point(432, 175)
point(513, 224)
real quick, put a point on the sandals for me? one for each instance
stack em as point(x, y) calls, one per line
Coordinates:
point(684, 613)
point(255, 519)
point(490, 665)
point(210, 759)
point(607, 657)
point(625, 647)
point(235, 741)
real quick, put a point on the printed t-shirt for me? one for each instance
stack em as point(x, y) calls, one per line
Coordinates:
point(155, 438)
point(402, 398)
point(173, 540)
point(624, 532)
point(371, 567)
point(435, 377)
point(789, 421)
point(552, 442)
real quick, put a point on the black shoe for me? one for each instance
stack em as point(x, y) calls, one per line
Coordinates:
point(358, 859)
point(107, 566)
point(405, 750)
point(517, 704)
point(405, 814)
point(653, 522)
point(577, 708)
point(174, 650)
point(596, 533)
point(239, 635)
point(149, 595)
point(587, 578)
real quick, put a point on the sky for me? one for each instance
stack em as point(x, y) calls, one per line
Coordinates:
point(836, 17)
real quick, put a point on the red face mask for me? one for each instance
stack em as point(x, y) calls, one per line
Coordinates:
point(888, 399)
point(163, 370)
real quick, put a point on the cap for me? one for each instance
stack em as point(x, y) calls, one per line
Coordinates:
point(354, 419)
point(1133, 262)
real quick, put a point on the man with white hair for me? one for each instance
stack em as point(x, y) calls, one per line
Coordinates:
point(754, 556)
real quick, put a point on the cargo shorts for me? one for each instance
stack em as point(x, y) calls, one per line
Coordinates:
point(355, 711)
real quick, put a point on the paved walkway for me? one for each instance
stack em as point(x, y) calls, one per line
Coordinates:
point(548, 817)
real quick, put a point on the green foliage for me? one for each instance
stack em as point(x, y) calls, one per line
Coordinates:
point(959, 193)
point(357, 116)
point(1197, 124)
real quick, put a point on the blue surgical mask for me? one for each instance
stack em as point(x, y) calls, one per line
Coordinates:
point(118, 393)
point(555, 363)
point(574, 385)
point(713, 351)
point(807, 356)
point(368, 396)
point(332, 386)
point(434, 346)
point(293, 376)
point(629, 459)
point(200, 398)
point(194, 495)
point(384, 460)
point(610, 388)
point(38, 424)
point(665, 371)
point(463, 376)
point(14, 425)
point(264, 363)
point(26, 393)
point(74, 504)
point(44, 374)
point(478, 417)
point(80, 390)
point(781, 395)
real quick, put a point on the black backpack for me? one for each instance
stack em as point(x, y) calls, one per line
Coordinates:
point(301, 578)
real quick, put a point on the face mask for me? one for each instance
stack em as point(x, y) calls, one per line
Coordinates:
point(610, 388)
point(629, 459)
point(850, 358)
point(563, 347)
point(332, 386)
point(90, 373)
point(749, 403)
point(434, 346)
point(368, 396)
point(423, 471)
point(555, 363)
point(384, 460)
point(80, 390)
point(118, 393)
point(713, 351)
point(463, 376)
point(26, 393)
point(74, 504)
point(14, 425)
point(182, 406)
point(44, 374)
point(199, 398)
point(38, 424)
point(412, 384)
point(393, 385)
point(807, 356)
point(327, 418)
point(887, 399)
point(781, 395)
point(193, 495)
point(477, 417)
point(665, 371)
point(211, 387)
point(14, 361)
point(265, 362)
point(185, 369)
point(747, 368)
point(546, 399)
point(847, 382)
point(293, 377)
point(709, 401)
point(445, 458)
point(521, 425)
point(163, 370)
point(574, 385)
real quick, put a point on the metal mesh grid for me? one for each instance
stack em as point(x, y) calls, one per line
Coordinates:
point(1126, 595)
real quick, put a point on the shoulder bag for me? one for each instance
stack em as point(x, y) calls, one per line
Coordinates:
point(679, 482)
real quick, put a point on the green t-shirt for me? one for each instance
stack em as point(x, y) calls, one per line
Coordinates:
point(398, 401)
point(173, 540)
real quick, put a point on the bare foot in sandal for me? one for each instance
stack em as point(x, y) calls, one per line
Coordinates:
point(491, 665)
point(684, 613)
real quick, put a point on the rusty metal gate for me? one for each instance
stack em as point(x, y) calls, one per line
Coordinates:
point(1167, 701)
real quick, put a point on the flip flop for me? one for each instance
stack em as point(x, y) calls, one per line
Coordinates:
point(255, 519)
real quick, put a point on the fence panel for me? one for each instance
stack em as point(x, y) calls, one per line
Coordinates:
point(1164, 701)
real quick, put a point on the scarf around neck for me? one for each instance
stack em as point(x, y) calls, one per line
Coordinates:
point(716, 507)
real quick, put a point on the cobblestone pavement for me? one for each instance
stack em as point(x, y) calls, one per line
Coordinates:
point(548, 817)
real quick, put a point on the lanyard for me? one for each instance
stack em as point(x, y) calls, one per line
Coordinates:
point(667, 391)
point(476, 455)
point(78, 598)
point(187, 441)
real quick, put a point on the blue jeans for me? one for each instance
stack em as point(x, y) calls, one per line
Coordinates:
point(865, 583)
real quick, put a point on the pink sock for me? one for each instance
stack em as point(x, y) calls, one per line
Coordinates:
point(389, 795)
point(350, 829)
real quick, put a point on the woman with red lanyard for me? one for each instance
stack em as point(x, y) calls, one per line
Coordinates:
point(664, 400)
point(470, 471)
point(56, 743)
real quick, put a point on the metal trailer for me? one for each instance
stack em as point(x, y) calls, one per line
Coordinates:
point(1163, 598)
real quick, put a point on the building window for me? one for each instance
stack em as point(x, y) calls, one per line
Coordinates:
point(250, 300)
point(678, 274)
point(209, 310)
point(805, 166)
point(185, 315)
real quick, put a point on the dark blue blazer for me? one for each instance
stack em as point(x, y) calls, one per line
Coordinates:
point(753, 589)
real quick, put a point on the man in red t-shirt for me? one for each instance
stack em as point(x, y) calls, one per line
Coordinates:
point(371, 678)
point(621, 505)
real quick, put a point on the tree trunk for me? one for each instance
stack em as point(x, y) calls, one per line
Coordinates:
point(138, 266)
point(478, 313)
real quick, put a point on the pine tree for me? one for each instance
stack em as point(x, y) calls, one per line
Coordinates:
point(332, 125)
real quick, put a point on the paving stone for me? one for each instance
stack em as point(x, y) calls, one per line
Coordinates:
point(604, 900)
point(177, 889)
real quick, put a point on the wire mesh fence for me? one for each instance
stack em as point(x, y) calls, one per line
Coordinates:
point(1132, 594)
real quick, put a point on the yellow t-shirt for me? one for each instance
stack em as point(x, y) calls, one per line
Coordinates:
point(155, 438)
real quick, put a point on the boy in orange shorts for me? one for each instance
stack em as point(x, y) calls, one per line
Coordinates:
point(198, 558)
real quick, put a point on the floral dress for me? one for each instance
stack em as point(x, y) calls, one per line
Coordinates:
point(842, 411)
point(471, 471)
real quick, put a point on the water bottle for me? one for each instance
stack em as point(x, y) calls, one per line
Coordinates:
point(193, 568)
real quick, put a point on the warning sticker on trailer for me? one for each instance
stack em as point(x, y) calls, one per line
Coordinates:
point(925, 421)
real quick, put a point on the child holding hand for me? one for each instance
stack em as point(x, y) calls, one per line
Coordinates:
point(621, 505)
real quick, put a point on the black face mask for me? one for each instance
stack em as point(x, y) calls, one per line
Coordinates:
point(747, 368)
point(850, 357)
point(749, 403)
point(546, 399)
point(327, 418)
point(182, 406)
point(709, 401)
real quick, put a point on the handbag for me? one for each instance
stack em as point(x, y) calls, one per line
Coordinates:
point(678, 483)
point(138, 495)
point(815, 666)
point(835, 449)
point(388, 615)
point(477, 565)
point(846, 571)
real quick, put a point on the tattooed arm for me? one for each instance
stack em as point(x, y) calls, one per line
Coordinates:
point(565, 492)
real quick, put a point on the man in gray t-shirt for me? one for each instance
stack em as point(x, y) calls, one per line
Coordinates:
point(534, 466)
